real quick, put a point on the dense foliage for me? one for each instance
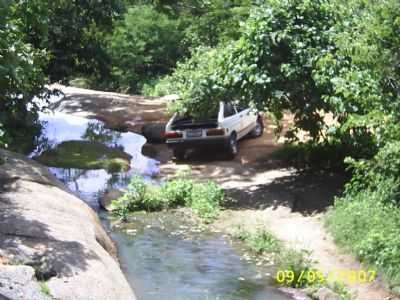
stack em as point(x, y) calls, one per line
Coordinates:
point(73, 34)
point(144, 45)
point(21, 78)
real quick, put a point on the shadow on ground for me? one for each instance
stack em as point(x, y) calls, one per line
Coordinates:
point(303, 192)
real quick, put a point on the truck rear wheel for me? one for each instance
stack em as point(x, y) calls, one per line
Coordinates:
point(179, 154)
point(258, 130)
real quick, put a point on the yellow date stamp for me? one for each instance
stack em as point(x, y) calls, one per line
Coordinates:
point(309, 276)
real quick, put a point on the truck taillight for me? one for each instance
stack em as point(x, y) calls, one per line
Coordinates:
point(215, 132)
point(173, 135)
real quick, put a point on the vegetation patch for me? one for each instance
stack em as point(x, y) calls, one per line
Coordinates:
point(44, 288)
point(202, 198)
point(310, 155)
point(85, 155)
point(293, 264)
point(260, 241)
point(369, 227)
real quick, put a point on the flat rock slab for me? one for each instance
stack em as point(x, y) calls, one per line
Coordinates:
point(19, 283)
point(117, 111)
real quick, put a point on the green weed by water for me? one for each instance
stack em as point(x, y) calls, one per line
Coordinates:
point(297, 262)
point(260, 241)
point(203, 198)
point(44, 288)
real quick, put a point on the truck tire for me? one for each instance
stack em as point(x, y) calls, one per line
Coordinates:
point(258, 130)
point(232, 146)
point(179, 154)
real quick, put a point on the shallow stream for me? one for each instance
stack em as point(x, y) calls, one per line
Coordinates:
point(162, 256)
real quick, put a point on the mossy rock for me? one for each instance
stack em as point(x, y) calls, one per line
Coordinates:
point(85, 155)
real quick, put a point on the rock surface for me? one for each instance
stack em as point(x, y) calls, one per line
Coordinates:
point(117, 111)
point(326, 294)
point(19, 283)
point(44, 226)
point(108, 197)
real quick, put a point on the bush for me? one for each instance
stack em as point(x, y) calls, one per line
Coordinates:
point(368, 224)
point(260, 241)
point(296, 261)
point(202, 198)
point(139, 196)
point(176, 192)
point(312, 155)
point(205, 199)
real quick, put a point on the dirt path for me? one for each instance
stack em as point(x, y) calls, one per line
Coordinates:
point(263, 191)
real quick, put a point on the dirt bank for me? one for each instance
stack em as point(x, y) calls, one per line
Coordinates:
point(48, 234)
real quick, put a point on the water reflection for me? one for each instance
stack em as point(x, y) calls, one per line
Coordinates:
point(89, 184)
point(62, 127)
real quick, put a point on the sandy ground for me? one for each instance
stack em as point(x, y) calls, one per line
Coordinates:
point(262, 191)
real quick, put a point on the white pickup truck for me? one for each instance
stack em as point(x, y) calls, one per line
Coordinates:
point(230, 124)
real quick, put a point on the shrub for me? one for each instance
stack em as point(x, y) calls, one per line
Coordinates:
point(296, 261)
point(368, 224)
point(202, 198)
point(139, 196)
point(205, 199)
point(177, 191)
point(260, 241)
point(312, 155)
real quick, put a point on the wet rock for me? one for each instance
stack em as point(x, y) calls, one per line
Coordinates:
point(19, 283)
point(49, 229)
point(154, 132)
point(326, 294)
point(108, 197)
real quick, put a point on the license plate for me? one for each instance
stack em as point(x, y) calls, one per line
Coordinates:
point(194, 133)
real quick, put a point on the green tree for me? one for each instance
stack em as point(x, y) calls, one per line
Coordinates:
point(272, 65)
point(144, 45)
point(21, 78)
point(72, 32)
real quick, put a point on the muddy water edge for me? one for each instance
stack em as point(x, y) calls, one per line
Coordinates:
point(163, 255)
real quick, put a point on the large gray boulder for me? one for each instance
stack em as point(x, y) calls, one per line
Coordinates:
point(19, 283)
point(45, 227)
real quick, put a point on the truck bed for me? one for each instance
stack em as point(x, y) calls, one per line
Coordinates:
point(182, 123)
